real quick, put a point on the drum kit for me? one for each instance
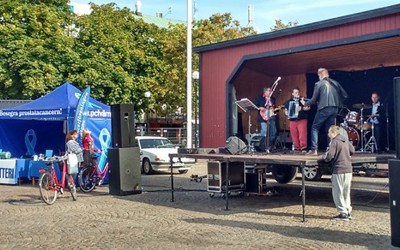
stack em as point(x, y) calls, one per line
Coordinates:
point(359, 129)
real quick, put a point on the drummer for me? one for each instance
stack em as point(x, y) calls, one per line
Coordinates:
point(376, 118)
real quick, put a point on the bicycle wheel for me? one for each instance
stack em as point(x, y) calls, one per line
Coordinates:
point(48, 193)
point(87, 180)
point(72, 188)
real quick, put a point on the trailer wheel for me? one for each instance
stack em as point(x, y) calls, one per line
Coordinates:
point(312, 173)
point(284, 173)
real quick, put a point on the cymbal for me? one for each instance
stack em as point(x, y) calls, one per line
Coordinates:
point(361, 105)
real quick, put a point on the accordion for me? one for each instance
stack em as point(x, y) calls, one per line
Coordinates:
point(293, 112)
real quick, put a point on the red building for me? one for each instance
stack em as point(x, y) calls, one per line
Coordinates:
point(361, 51)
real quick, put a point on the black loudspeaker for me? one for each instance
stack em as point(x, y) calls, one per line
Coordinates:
point(258, 143)
point(396, 90)
point(123, 125)
point(125, 171)
point(235, 146)
point(394, 192)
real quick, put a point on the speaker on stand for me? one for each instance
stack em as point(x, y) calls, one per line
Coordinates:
point(124, 158)
point(394, 171)
point(123, 125)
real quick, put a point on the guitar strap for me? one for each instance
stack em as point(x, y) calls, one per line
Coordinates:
point(268, 101)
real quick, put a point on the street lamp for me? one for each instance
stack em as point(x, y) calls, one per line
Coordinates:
point(147, 94)
point(195, 76)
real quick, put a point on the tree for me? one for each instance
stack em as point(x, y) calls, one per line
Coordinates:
point(217, 28)
point(121, 57)
point(34, 47)
point(279, 25)
point(42, 45)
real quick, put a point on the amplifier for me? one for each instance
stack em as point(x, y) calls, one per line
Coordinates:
point(235, 145)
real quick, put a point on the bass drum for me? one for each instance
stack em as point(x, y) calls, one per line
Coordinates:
point(352, 135)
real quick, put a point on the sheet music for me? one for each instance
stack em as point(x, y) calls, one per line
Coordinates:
point(246, 105)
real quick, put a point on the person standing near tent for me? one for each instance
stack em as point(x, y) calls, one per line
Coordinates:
point(88, 147)
point(72, 146)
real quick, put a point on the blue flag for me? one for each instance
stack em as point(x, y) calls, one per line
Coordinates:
point(81, 113)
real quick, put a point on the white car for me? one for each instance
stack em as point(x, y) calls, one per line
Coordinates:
point(154, 155)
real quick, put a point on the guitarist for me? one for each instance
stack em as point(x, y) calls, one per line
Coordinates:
point(266, 116)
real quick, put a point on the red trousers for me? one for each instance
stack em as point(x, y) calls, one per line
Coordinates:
point(298, 132)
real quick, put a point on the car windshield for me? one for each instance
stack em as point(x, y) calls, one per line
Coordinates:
point(156, 143)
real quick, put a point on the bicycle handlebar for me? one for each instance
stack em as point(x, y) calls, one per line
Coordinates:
point(55, 158)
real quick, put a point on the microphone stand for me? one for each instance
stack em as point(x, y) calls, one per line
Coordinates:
point(276, 138)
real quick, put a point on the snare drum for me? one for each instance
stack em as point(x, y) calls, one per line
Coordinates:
point(353, 118)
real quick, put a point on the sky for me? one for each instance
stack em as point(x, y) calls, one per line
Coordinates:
point(265, 11)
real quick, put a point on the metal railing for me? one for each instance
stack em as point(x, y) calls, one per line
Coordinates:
point(176, 135)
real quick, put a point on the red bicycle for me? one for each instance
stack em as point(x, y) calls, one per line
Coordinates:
point(50, 186)
point(91, 176)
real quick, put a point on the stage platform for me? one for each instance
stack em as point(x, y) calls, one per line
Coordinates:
point(277, 159)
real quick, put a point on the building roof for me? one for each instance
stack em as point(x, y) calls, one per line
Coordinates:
point(357, 17)
point(12, 103)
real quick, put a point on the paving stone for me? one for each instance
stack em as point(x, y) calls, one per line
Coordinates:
point(195, 221)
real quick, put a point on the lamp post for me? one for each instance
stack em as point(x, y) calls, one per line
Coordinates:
point(147, 94)
point(189, 73)
point(195, 76)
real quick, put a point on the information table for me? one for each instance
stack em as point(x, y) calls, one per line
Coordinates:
point(12, 170)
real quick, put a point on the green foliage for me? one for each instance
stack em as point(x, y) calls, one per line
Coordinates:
point(120, 56)
point(43, 44)
point(218, 28)
point(279, 25)
point(33, 47)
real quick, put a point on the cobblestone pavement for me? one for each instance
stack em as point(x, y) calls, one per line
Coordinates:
point(195, 221)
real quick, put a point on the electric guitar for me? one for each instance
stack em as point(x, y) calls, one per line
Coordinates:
point(267, 113)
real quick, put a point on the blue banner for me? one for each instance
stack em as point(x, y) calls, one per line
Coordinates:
point(81, 112)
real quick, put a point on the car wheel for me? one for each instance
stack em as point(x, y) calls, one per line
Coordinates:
point(147, 168)
point(182, 171)
point(312, 173)
point(284, 173)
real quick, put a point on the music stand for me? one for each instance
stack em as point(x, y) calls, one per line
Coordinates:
point(247, 106)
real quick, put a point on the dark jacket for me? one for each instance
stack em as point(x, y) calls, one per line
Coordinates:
point(260, 102)
point(302, 114)
point(338, 155)
point(327, 93)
